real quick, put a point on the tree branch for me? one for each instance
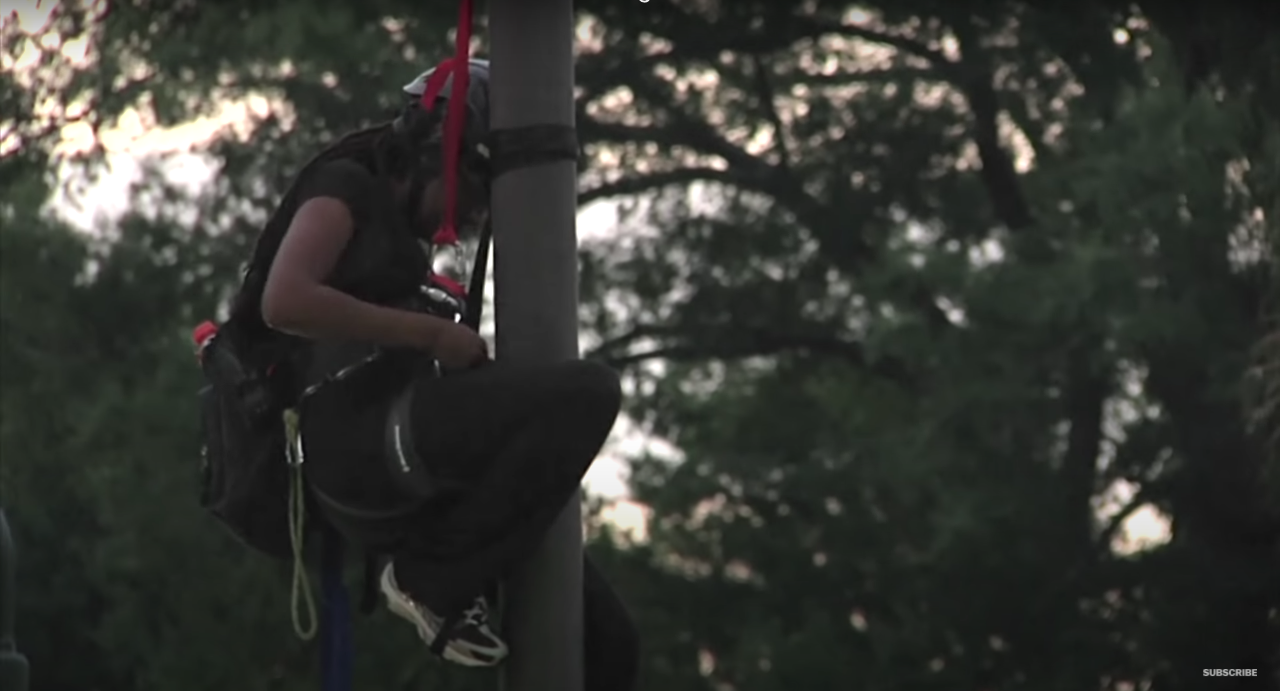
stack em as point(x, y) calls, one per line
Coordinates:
point(751, 173)
point(644, 183)
point(624, 340)
point(739, 343)
point(1086, 394)
point(902, 43)
point(998, 172)
point(768, 103)
point(686, 130)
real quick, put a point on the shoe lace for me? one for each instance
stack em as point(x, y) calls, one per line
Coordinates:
point(477, 614)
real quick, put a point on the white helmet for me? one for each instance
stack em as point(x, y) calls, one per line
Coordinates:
point(477, 97)
point(420, 127)
point(479, 79)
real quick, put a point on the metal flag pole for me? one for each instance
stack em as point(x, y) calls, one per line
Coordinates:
point(535, 311)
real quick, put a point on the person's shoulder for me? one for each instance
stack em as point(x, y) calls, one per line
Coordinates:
point(344, 179)
point(340, 173)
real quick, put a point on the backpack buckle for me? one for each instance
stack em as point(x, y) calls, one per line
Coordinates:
point(293, 436)
point(441, 302)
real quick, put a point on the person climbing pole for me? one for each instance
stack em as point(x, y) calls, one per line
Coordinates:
point(416, 445)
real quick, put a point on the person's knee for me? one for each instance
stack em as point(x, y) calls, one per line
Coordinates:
point(592, 385)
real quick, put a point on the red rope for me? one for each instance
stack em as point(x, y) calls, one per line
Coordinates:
point(459, 67)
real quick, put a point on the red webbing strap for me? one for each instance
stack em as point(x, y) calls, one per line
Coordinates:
point(459, 66)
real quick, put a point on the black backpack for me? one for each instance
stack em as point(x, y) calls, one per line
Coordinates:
point(244, 465)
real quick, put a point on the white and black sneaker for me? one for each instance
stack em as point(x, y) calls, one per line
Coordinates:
point(469, 641)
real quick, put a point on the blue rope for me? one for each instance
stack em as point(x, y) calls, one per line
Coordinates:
point(335, 619)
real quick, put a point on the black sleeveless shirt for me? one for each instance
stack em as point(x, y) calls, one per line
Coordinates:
point(342, 422)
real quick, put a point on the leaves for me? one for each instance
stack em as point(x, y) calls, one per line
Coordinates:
point(921, 296)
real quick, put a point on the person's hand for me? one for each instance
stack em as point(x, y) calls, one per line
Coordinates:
point(458, 347)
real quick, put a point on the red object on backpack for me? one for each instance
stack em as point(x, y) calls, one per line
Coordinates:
point(202, 334)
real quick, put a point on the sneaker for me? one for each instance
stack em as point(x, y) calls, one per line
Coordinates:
point(471, 642)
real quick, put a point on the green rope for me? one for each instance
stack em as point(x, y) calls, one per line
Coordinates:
point(300, 594)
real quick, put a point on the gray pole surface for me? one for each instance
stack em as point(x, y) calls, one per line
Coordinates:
point(535, 275)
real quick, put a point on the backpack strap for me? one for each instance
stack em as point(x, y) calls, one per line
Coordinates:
point(475, 289)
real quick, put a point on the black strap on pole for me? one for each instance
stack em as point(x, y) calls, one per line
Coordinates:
point(513, 149)
point(523, 147)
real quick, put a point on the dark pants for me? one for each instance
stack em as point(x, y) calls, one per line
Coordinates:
point(521, 439)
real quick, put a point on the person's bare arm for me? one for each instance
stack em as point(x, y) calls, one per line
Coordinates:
point(296, 300)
